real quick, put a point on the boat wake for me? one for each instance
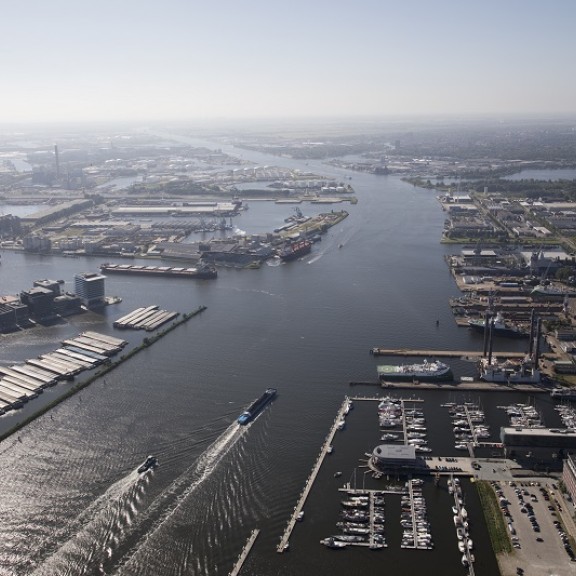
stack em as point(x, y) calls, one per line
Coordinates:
point(92, 535)
point(115, 527)
point(273, 262)
point(315, 258)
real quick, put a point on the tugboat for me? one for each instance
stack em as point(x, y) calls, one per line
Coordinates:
point(150, 463)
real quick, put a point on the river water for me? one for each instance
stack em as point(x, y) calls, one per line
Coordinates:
point(70, 499)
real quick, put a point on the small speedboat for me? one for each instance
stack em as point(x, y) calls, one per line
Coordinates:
point(148, 464)
point(300, 516)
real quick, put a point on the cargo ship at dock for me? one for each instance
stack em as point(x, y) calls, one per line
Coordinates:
point(499, 327)
point(203, 272)
point(257, 406)
point(295, 250)
point(425, 372)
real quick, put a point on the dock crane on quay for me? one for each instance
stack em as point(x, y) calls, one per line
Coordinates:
point(526, 371)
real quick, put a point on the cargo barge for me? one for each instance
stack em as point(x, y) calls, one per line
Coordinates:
point(257, 406)
point(203, 272)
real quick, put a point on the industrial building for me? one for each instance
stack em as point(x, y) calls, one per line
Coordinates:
point(538, 448)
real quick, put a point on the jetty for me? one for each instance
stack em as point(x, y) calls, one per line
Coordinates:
point(441, 353)
point(337, 425)
point(244, 554)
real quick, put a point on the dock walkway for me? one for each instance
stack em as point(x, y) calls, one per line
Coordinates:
point(244, 554)
point(440, 353)
point(284, 541)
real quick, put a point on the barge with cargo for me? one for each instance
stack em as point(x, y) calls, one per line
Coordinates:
point(201, 272)
point(257, 406)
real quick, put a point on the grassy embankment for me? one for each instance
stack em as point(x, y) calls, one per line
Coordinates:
point(104, 369)
point(494, 518)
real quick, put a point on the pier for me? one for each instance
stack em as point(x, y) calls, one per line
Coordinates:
point(284, 541)
point(244, 554)
point(441, 353)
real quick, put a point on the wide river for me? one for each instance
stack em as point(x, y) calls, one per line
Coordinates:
point(70, 499)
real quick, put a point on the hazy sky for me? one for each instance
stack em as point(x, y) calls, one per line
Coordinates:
point(186, 59)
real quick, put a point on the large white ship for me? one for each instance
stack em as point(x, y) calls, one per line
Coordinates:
point(427, 371)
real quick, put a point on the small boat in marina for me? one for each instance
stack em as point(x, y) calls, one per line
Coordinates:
point(333, 543)
point(300, 516)
point(350, 537)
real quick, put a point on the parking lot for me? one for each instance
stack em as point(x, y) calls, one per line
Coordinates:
point(532, 512)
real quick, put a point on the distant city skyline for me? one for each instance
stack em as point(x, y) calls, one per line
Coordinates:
point(65, 61)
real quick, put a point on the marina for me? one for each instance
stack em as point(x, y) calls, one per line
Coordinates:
point(363, 520)
point(414, 521)
point(462, 524)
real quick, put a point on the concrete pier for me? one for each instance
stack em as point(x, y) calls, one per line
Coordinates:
point(284, 541)
point(244, 554)
point(440, 353)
